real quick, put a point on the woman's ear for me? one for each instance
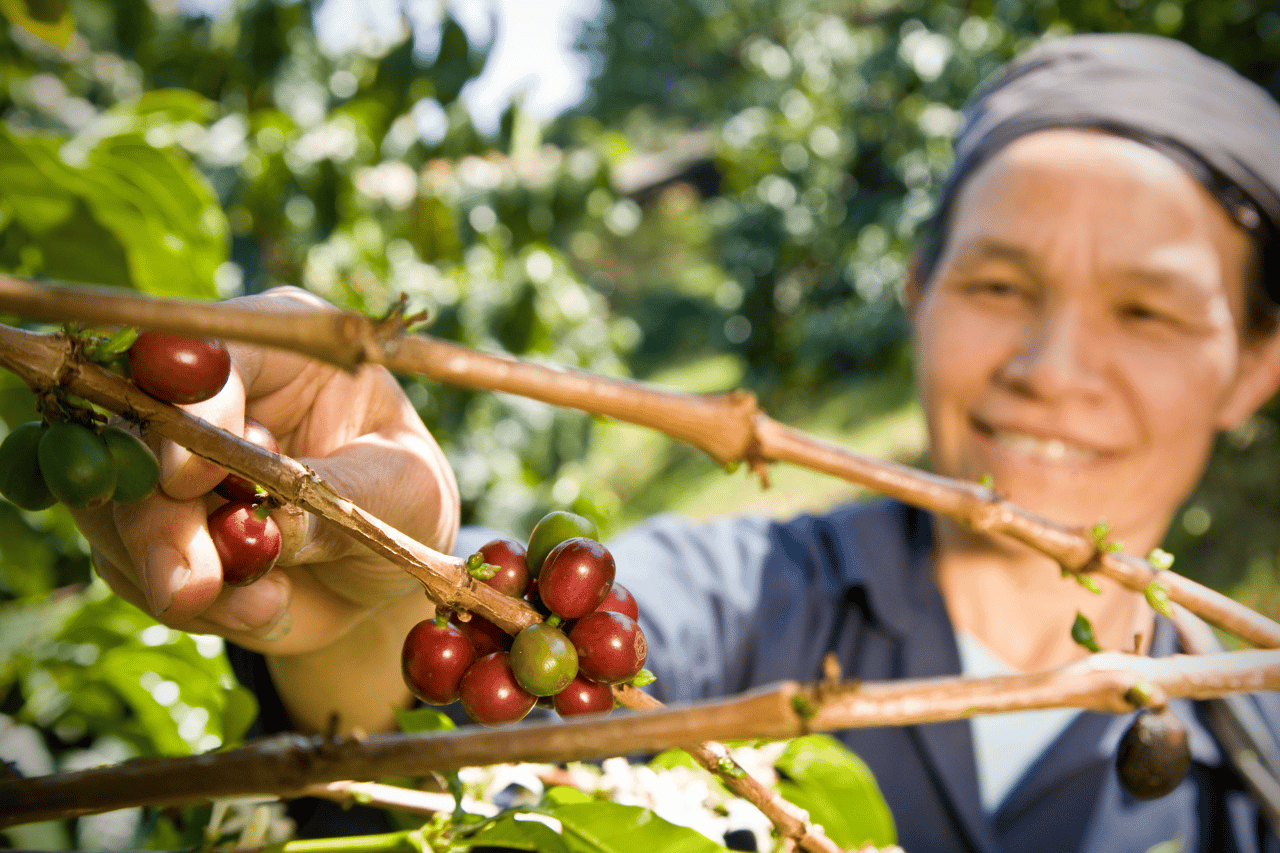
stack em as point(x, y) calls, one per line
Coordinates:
point(1257, 381)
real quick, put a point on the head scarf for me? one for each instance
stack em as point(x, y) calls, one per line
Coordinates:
point(1220, 126)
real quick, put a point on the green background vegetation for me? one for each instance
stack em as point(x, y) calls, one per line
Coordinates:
point(733, 206)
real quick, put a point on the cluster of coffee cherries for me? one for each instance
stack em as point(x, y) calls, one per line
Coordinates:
point(72, 457)
point(589, 641)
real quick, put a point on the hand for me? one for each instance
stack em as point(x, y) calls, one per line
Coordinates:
point(359, 433)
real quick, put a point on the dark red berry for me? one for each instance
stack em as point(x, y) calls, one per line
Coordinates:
point(433, 660)
point(247, 545)
point(484, 636)
point(179, 369)
point(236, 488)
point(508, 557)
point(1154, 755)
point(620, 600)
point(576, 577)
point(583, 696)
point(535, 600)
point(490, 693)
point(611, 647)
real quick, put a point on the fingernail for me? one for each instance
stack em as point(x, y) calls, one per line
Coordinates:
point(165, 572)
point(261, 609)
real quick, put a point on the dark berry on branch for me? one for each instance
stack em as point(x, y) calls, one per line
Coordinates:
point(247, 545)
point(576, 577)
point(583, 696)
point(484, 636)
point(433, 659)
point(490, 693)
point(508, 557)
point(611, 647)
point(179, 369)
point(1154, 754)
point(620, 600)
point(236, 488)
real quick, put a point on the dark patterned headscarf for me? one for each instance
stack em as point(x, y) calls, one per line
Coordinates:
point(1220, 126)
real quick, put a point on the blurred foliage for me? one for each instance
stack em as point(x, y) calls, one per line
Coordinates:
point(733, 205)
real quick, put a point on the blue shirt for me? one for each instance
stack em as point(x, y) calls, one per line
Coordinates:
point(740, 602)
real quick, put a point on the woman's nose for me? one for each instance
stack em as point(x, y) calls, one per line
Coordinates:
point(1060, 355)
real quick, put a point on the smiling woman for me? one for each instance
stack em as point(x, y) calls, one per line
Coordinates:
point(1094, 302)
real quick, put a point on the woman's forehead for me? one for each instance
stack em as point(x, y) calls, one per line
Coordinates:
point(1046, 181)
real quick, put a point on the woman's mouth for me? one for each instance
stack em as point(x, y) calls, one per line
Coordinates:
point(1052, 450)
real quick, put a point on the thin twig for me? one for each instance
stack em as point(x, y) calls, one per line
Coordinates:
point(729, 427)
point(290, 765)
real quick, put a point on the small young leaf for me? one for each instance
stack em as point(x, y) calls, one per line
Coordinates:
point(1158, 597)
point(1082, 633)
point(424, 719)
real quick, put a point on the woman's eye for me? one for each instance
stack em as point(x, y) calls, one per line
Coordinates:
point(997, 287)
point(1143, 313)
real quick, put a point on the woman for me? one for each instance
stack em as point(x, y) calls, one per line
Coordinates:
point(1095, 302)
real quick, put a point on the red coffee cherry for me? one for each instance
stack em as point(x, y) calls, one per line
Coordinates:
point(247, 545)
point(611, 647)
point(583, 696)
point(508, 557)
point(484, 636)
point(490, 693)
point(620, 600)
point(433, 659)
point(236, 488)
point(576, 577)
point(179, 369)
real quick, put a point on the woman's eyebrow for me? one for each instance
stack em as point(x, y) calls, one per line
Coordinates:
point(990, 248)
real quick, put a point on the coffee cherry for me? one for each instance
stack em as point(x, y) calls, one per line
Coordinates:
point(236, 488)
point(508, 557)
point(179, 369)
point(611, 647)
point(21, 482)
point(77, 467)
point(247, 545)
point(490, 693)
point(1154, 754)
point(433, 659)
point(620, 600)
point(583, 696)
point(551, 530)
point(484, 636)
point(576, 577)
point(535, 600)
point(137, 471)
point(543, 659)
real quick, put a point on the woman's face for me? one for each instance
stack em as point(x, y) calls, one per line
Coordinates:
point(1080, 339)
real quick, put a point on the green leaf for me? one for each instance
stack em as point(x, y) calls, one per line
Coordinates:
point(506, 831)
point(605, 827)
point(1082, 633)
point(838, 790)
point(423, 719)
point(50, 20)
point(560, 795)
